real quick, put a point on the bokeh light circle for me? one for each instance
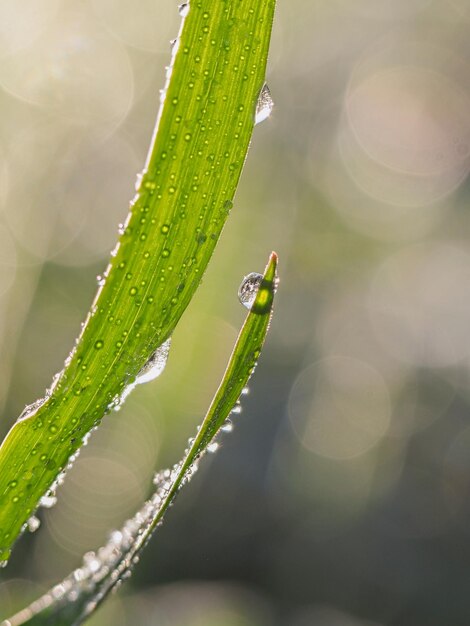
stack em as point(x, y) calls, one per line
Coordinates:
point(405, 136)
point(339, 407)
point(419, 304)
point(74, 69)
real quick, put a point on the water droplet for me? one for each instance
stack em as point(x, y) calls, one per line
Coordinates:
point(31, 409)
point(212, 447)
point(150, 185)
point(249, 288)
point(155, 365)
point(116, 538)
point(227, 426)
point(48, 501)
point(264, 106)
point(33, 524)
point(91, 562)
point(183, 9)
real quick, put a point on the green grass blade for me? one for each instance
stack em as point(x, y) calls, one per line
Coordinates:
point(184, 196)
point(73, 600)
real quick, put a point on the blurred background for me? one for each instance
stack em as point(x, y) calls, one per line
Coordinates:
point(342, 498)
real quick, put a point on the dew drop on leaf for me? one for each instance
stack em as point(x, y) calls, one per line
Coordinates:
point(155, 365)
point(47, 501)
point(33, 524)
point(264, 106)
point(183, 9)
point(249, 288)
point(31, 409)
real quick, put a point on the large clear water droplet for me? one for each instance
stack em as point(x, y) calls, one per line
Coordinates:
point(249, 288)
point(264, 106)
point(151, 370)
point(155, 365)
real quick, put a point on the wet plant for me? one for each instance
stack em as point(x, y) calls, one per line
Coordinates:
point(214, 95)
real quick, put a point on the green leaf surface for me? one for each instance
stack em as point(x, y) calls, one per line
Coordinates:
point(78, 595)
point(183, 198)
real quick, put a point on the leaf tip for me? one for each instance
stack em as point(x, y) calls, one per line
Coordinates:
point(264, 298)
point(271, 269)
